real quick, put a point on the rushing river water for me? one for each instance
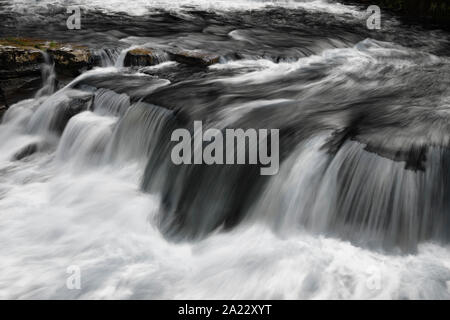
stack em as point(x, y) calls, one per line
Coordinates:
point(360, 205)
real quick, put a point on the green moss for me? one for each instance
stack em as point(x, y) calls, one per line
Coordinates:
point(16, 41)
point(23, 42)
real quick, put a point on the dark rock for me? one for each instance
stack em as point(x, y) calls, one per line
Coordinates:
point(141, 57)
point(20, 68)
point(17, 62)
point(21, 65)
point(71, 60)
point(338, 138)
point(17, 89)
point(414, 155)
point(26, 151)
point(3, 100)
point(78, 102)
point(195, 58)
point(22, 57)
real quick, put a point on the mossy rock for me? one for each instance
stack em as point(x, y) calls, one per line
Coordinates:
point(23, 56)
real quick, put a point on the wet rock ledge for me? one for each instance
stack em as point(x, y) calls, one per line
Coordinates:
point(20, 57)
point(151, 56)
point(21, 60)
point(20, 65)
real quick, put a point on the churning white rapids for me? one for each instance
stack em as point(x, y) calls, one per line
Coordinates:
point(79, 190)
point(55, 216)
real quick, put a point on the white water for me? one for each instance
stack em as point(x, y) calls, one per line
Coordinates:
point(61, 208)
point(142, 7)
point(98, 220)
point(75, 203)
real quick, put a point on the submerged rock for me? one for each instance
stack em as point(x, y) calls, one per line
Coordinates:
point(77, 102)
point(26, 151)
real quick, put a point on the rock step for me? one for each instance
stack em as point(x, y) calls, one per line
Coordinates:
point(196, 58)
point(148, 57)
point(20, 65)
point(22, 57)
point(142, 57)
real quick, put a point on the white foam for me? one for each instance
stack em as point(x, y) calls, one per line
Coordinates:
point(142, 7)
point(96, 218)
point(368, 55)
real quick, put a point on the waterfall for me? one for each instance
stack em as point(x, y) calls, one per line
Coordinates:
point(108, 56)
point(48, 76)
point(87, 177)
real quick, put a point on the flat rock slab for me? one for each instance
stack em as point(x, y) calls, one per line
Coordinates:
point(18, 62)
point(21, 57)
point(196, 58)
point(71, 60)
point(148, 57)
point(143, 57)
point(21, 60)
